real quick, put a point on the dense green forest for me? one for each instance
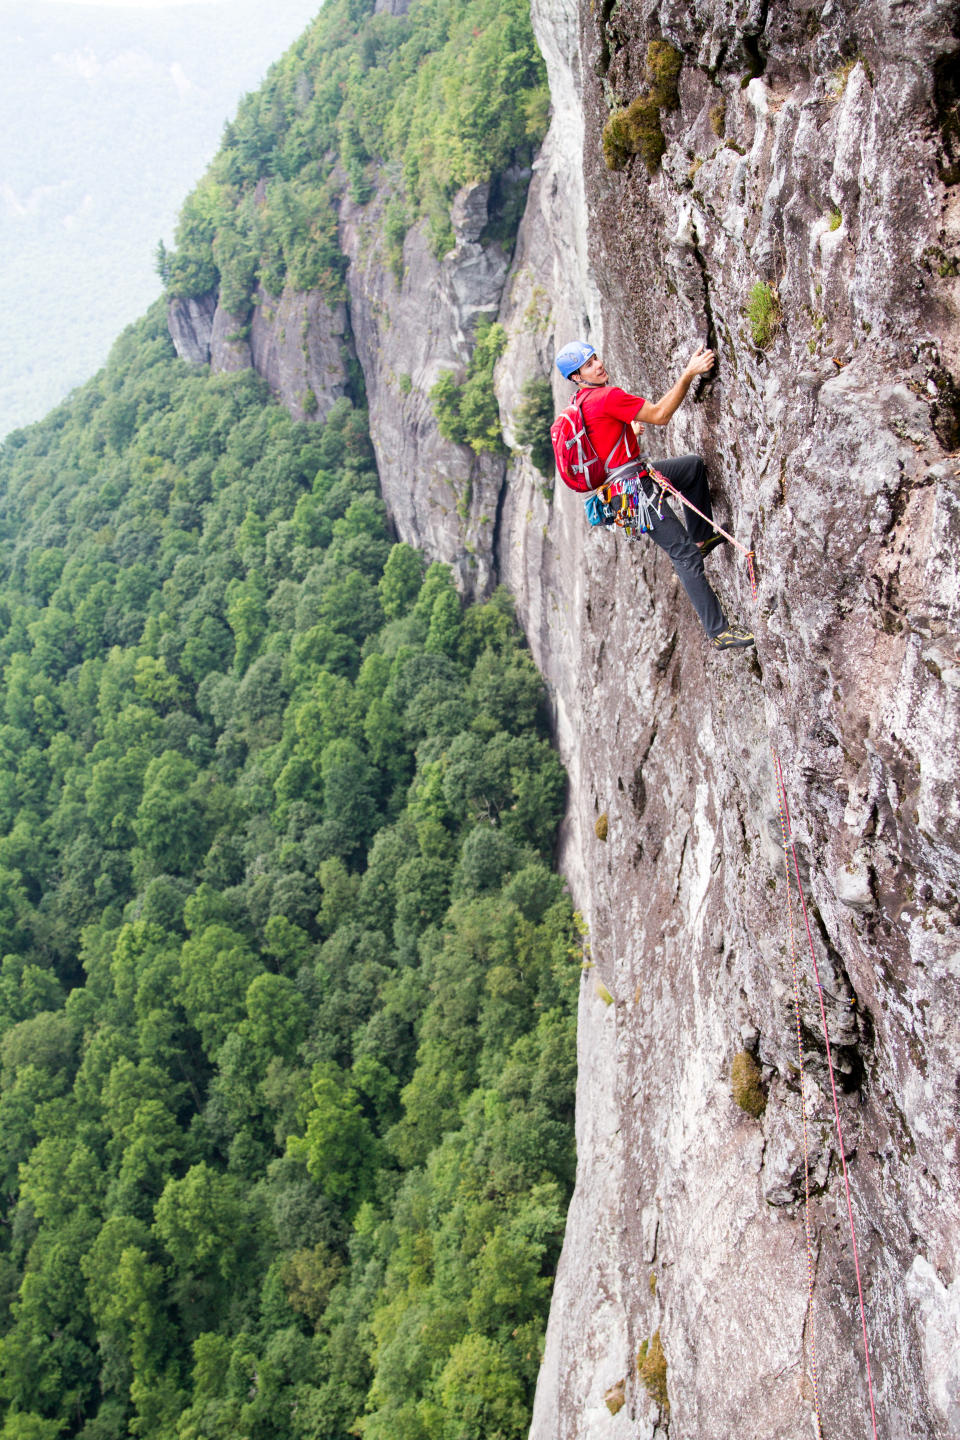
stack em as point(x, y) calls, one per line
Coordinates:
point(287, 985)
point(453, 92)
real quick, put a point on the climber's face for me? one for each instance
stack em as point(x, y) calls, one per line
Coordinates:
point(593, 372)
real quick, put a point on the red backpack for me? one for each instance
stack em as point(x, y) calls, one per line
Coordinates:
point(578, 463)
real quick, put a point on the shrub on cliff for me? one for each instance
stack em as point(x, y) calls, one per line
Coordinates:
point(468, 413)
point(533, 421)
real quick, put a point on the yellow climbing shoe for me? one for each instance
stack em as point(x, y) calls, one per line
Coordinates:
point(733, 638)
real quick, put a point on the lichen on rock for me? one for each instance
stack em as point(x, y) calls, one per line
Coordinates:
point(746, 1085)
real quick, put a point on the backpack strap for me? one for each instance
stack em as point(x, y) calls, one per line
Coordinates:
point(582, 465)
point(617, 443)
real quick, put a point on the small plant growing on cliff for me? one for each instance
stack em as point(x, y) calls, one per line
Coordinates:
point(601, 826)
point(636, 130)
point(616, 1397)
point(836, 219)
point(604, 993)
point(745, 1084)
point(763, 313)
point(838, 80)
point(396, 223)
point(534, 417)
point(652, 1369)
point(468, 413)
point(664, 63)
point(718, 117)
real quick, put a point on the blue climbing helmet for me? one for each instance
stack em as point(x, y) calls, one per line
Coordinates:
point(572, 356)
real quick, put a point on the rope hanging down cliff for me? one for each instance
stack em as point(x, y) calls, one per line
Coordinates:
point(790, 853)
point(603, 420)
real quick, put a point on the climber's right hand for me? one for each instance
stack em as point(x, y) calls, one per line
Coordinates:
point(700, 362)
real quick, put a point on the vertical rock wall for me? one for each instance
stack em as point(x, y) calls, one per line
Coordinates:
point(830, 450)
point(299, 344)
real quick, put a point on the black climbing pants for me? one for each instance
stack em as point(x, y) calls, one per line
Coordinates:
point(689, 474)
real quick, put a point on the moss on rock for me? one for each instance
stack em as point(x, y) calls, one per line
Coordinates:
point(636, 129)
point(652, 1369)
point(604, 993)
point(746, 1085)
point(763, 313)
point(615, 1397)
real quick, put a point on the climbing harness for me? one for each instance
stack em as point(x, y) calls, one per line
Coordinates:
point(790, 853)
point(625, 502)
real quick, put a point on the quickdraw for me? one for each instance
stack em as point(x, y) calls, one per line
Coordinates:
point(624, 502)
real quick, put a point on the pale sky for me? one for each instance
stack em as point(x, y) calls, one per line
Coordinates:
point(133, 4)
point(110, 111)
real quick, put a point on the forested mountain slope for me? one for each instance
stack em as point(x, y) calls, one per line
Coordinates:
point(287, 985)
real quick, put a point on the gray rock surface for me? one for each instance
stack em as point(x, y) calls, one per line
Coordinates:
point(229, 343)
point(190, 323)
point(408, 329)
point(841, 477)
point(298, 343)
point(301, 346)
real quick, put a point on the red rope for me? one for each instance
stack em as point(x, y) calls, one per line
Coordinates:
point(668, 485)
point(807, 1208)
point(836, 1106)
point(789, 842)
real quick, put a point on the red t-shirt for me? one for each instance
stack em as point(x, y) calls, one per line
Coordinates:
point(606, 411)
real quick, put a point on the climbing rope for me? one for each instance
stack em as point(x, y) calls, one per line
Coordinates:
point(807, 1206)
point(833, 1091)
point(790, 851)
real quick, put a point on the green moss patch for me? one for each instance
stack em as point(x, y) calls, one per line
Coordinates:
point(652, 1369)
point(615, 1397)
point(636, 129)
point(745, 1084)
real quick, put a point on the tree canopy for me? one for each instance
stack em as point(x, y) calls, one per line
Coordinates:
point(287, 984)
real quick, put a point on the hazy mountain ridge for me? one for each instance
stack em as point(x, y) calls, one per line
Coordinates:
point(107, 118)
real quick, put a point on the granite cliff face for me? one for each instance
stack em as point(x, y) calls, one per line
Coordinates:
point(840, 476)
point(810, 160)
point(409, 328)
point(299, 343)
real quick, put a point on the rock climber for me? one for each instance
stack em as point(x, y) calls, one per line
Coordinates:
point(611, 419)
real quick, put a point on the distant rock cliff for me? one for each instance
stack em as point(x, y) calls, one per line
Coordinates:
point(408, 330)
point(299, 344)
point(808, 175)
